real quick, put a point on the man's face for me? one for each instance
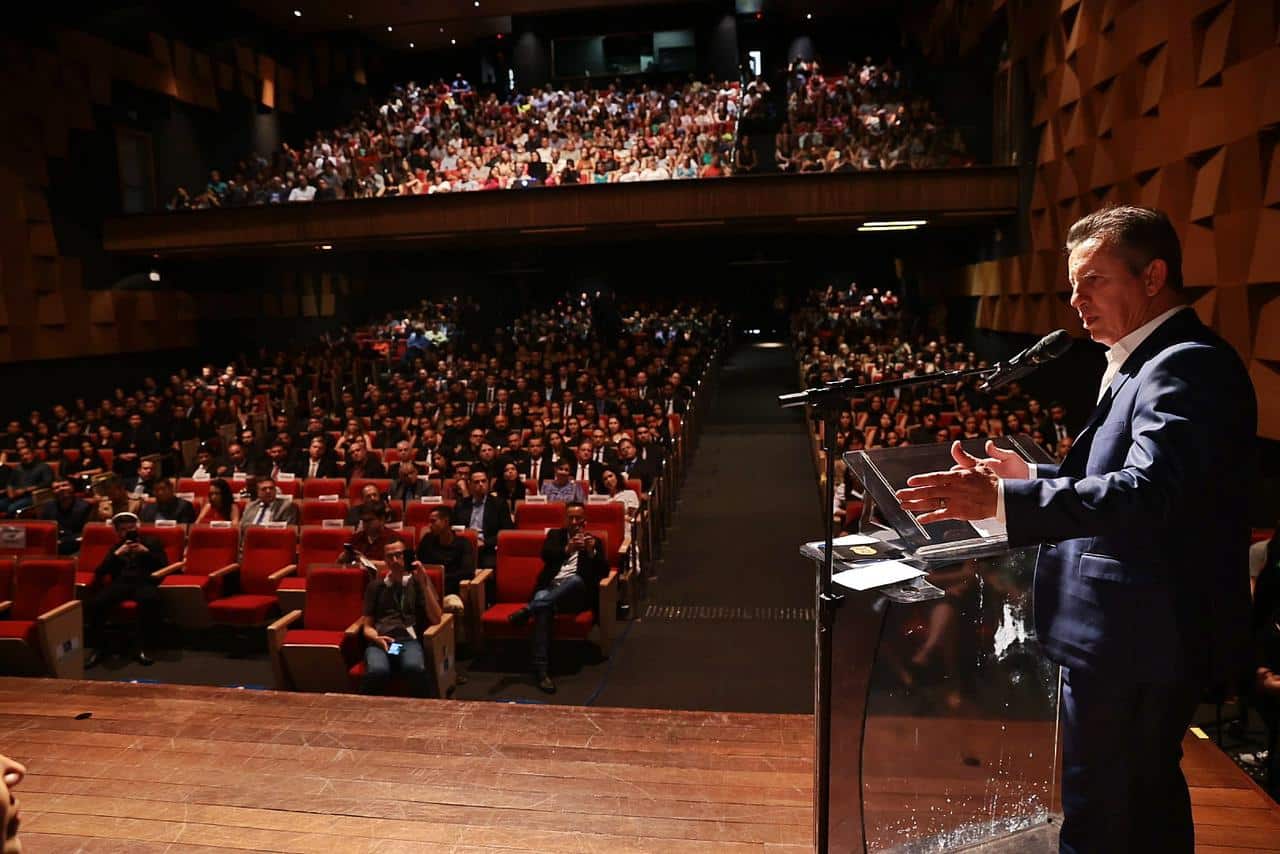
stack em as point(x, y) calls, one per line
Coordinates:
point(316, 450)
point(277, 453)
point(236, 453)
point(394, 554)
point(477, 436)
point(536, 447)
point(626, 449)
point(266, 491)
point(135, 420)
point(146, 470)
point(357, 453)
point(164, 491)
point(1057, 413)
point(1110, 299)
point(597, 438)
point(584, 452)
point(479, 485)
point(370, 495)
point(124, 526)
point(440, 522)
point(577, 517)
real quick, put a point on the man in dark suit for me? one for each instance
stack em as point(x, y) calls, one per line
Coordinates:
point(538, 466)
point(1141, 589)
point(360, 464)
point(631, 466)
point(317, 462)
point(573, 563)
point(127, 572)
point(485, 514)
point(585, 467)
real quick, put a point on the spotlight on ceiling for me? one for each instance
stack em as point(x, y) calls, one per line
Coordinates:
point(390, 28)
point(453, 41)
point(154, 275)
point(297, 13)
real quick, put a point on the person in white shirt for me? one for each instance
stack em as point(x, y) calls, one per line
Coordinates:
point(303, 191)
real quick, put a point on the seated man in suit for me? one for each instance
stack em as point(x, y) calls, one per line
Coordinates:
point(632, 466)
point(1141, 584)
point(361, 464)
point(317, 462)
point(537, 466)
point(371, 496)
point(408, 487)
point(573, 564)
point(167, 507)
point(126, 573)
point(485, 514)
point(268, 507)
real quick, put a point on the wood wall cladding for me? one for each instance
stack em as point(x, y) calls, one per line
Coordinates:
point(1172, 104)
point(45, 310)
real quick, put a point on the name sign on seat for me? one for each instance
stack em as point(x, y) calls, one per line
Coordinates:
point(536, 499)
point(286, 476)
point(431, 499)
point(333, 498)
point(275, 524)
point(165, 523)
point(220, 523)
point(597, 499)
point(331, 523)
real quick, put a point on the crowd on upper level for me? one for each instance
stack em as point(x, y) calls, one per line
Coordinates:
point(448, 138)
point(864, 119)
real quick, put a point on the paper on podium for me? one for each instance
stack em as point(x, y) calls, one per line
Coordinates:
point(878, 573)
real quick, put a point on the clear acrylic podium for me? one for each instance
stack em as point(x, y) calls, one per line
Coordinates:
point(944, 709)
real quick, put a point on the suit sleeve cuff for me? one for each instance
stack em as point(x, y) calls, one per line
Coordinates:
point(1000, 498)
point(1031, 475)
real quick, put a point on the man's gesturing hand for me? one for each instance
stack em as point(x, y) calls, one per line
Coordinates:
point(1007, 464)
point(969, 491)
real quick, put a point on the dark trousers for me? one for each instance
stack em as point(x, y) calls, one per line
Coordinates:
point(569, 596)
point(102, 604)
point(1122, 783)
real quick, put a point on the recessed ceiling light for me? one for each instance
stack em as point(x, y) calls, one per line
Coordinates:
point(887, 227)
point(885, 222)
point(154, 275)
point(350, 17)
point(477, 4)
point(297, 13)
point(453, 41)
point(390, 28)
point(325, 247)
point(410, 44)
point(808, 16)
point(442, 29)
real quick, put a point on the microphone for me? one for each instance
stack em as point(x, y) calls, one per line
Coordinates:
point(1046, 349)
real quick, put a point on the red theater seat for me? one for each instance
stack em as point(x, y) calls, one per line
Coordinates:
point(268, 558)
point(317, 546)
point(43, 626)
point(192, 583)
point(418, 513)
point(315, 512)
point(28, 538)
point(318, 486)
point(319, 656)
point(536, 516)
point(359, 483)
point(95, 544)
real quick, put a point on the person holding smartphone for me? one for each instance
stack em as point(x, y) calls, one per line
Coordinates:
point(397, 609)
point(126, 573)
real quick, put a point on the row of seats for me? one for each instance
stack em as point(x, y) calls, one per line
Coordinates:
point(319, 647)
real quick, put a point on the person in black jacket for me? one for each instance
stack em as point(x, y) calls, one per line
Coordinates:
point(486, 515)
point(573, 563)
point(127, 573)
point(70, 512)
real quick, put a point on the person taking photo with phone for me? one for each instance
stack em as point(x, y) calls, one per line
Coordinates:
point(397, 610)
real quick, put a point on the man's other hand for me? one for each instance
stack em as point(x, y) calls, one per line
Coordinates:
point(1006, 464)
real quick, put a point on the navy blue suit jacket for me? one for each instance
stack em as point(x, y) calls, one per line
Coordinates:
point(1143, 571)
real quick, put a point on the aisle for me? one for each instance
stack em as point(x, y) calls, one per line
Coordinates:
point(729, 623)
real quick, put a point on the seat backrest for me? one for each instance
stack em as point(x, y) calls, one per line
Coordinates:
point(29, 537)
point(173, 538)
point(409, 536)
point(612, 516)
point(7, 565)
point(359, 483)
point(42, 584)
point(539, 517)
point(210, 548)
point(266, 550)
point(315, 512)
point(96, 543)
point(198, 488)
point(291, 487)
point(519, 562)
point(335, 598)
point(435, 572)
point(321, 546)
point(611, 544)
point(317, 486)
point(418, 514)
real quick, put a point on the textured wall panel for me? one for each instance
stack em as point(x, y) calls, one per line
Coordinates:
point(1167, 103)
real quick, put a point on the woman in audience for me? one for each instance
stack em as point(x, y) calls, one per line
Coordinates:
point(89, 463)
point(615, 486)
point(220, 506)
point(510, 487)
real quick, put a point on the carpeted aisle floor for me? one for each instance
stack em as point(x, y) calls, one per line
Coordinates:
point(729, 622)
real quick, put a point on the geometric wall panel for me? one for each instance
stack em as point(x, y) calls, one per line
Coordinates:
point(1172, 104)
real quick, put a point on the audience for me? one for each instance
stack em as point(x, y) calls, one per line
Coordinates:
point(440, 139)
point(865, 119)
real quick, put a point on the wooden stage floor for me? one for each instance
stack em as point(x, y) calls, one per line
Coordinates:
point(181, 768)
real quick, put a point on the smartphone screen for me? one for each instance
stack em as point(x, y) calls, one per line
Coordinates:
point(394, 649)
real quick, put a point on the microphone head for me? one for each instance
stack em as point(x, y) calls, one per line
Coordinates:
point(1049, 347)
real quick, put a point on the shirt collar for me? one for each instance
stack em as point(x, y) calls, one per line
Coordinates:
point(1124, 348)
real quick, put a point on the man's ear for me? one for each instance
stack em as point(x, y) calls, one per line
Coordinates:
point(1156, 276)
